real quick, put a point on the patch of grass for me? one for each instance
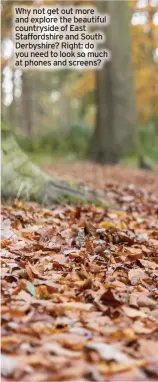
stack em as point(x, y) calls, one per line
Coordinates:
point(73, 143)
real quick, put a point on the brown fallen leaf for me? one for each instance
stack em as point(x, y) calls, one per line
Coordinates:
point(29, 235)
point(29, 272)
point(140, 328)
point(152, 368)
point(148, 348)
point(83, 285)
point(107, 352)
point(9, 341)
point(106, 225)
point(134, 253)
point(21, 286)
point(154, 313)
point(42, 291)
point(129, 374)
point(109, 298)
point(148, 264)
point(133, 300)
point(17, 246)
point(59, 259)
point(146, 301)
point(55, 348)
point(51, 286)
point(131, 312)
point(24, 296)
point(76, 306)
point(136, 275)
point(5, 243)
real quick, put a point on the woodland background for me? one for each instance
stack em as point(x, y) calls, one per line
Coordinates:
point(79, 282)
point(53, 114)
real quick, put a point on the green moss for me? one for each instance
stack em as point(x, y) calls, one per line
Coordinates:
point(71, 199)
point(68, 198)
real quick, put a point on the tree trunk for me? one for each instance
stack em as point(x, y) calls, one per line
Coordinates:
point(22, 179)
point(103, 149)
point(28, 106)
point(64, 107)
point(11, 108)
point(115, 132)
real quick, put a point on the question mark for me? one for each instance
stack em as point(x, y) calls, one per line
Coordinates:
point(99, 62)
point(57, 44)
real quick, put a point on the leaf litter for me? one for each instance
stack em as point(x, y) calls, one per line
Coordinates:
point(79, 288)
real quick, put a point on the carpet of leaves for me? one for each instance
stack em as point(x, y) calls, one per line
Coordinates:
point(79, 288)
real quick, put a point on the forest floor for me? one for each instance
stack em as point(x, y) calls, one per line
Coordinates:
point(79, 284)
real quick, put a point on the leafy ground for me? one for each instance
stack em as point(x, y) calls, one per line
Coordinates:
point(79, 284)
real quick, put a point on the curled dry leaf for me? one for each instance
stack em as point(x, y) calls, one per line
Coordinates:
point(107, 352)
point(77, 306)
point(134, 253)
point(7, 232)
point(146, 301)
point(136, 275)
point(133, 313)
point(109, 298)
point(148, 264)
point(140, 328)
point(9, 342)
point(55, 348)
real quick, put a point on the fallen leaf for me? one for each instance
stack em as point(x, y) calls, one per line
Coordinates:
point(105, 224)
point(109, 298)
point(55, 348)
point(8, 365)
point(140, 328)
point(8, 341)
point(136, 275)
point(80, 240)
point(146, 301)
point(134, 253)
point(78, 300)
point(107, 352)
point(7, 232)
point(148, 264)
point(132, 313)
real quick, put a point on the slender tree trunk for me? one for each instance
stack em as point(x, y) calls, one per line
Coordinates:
point(124, 107)
point(115, 132)
point(3, 107)
point(64, 110)
point(102, 147)
point(28, 103)
point(12, 107)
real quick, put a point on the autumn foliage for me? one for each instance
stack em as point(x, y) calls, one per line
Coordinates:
point(79, 285)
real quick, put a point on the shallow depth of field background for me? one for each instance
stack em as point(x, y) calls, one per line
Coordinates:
point(53, 113)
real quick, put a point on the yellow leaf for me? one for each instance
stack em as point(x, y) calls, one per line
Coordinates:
point(105, 224)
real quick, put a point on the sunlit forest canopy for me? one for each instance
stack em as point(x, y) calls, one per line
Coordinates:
point(39, 103)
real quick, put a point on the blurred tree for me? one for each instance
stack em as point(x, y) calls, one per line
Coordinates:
point(12, 107)
point(144, 38)
point(115, 129)
point(28, 103)
point(49, 100)
point(144, 43)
